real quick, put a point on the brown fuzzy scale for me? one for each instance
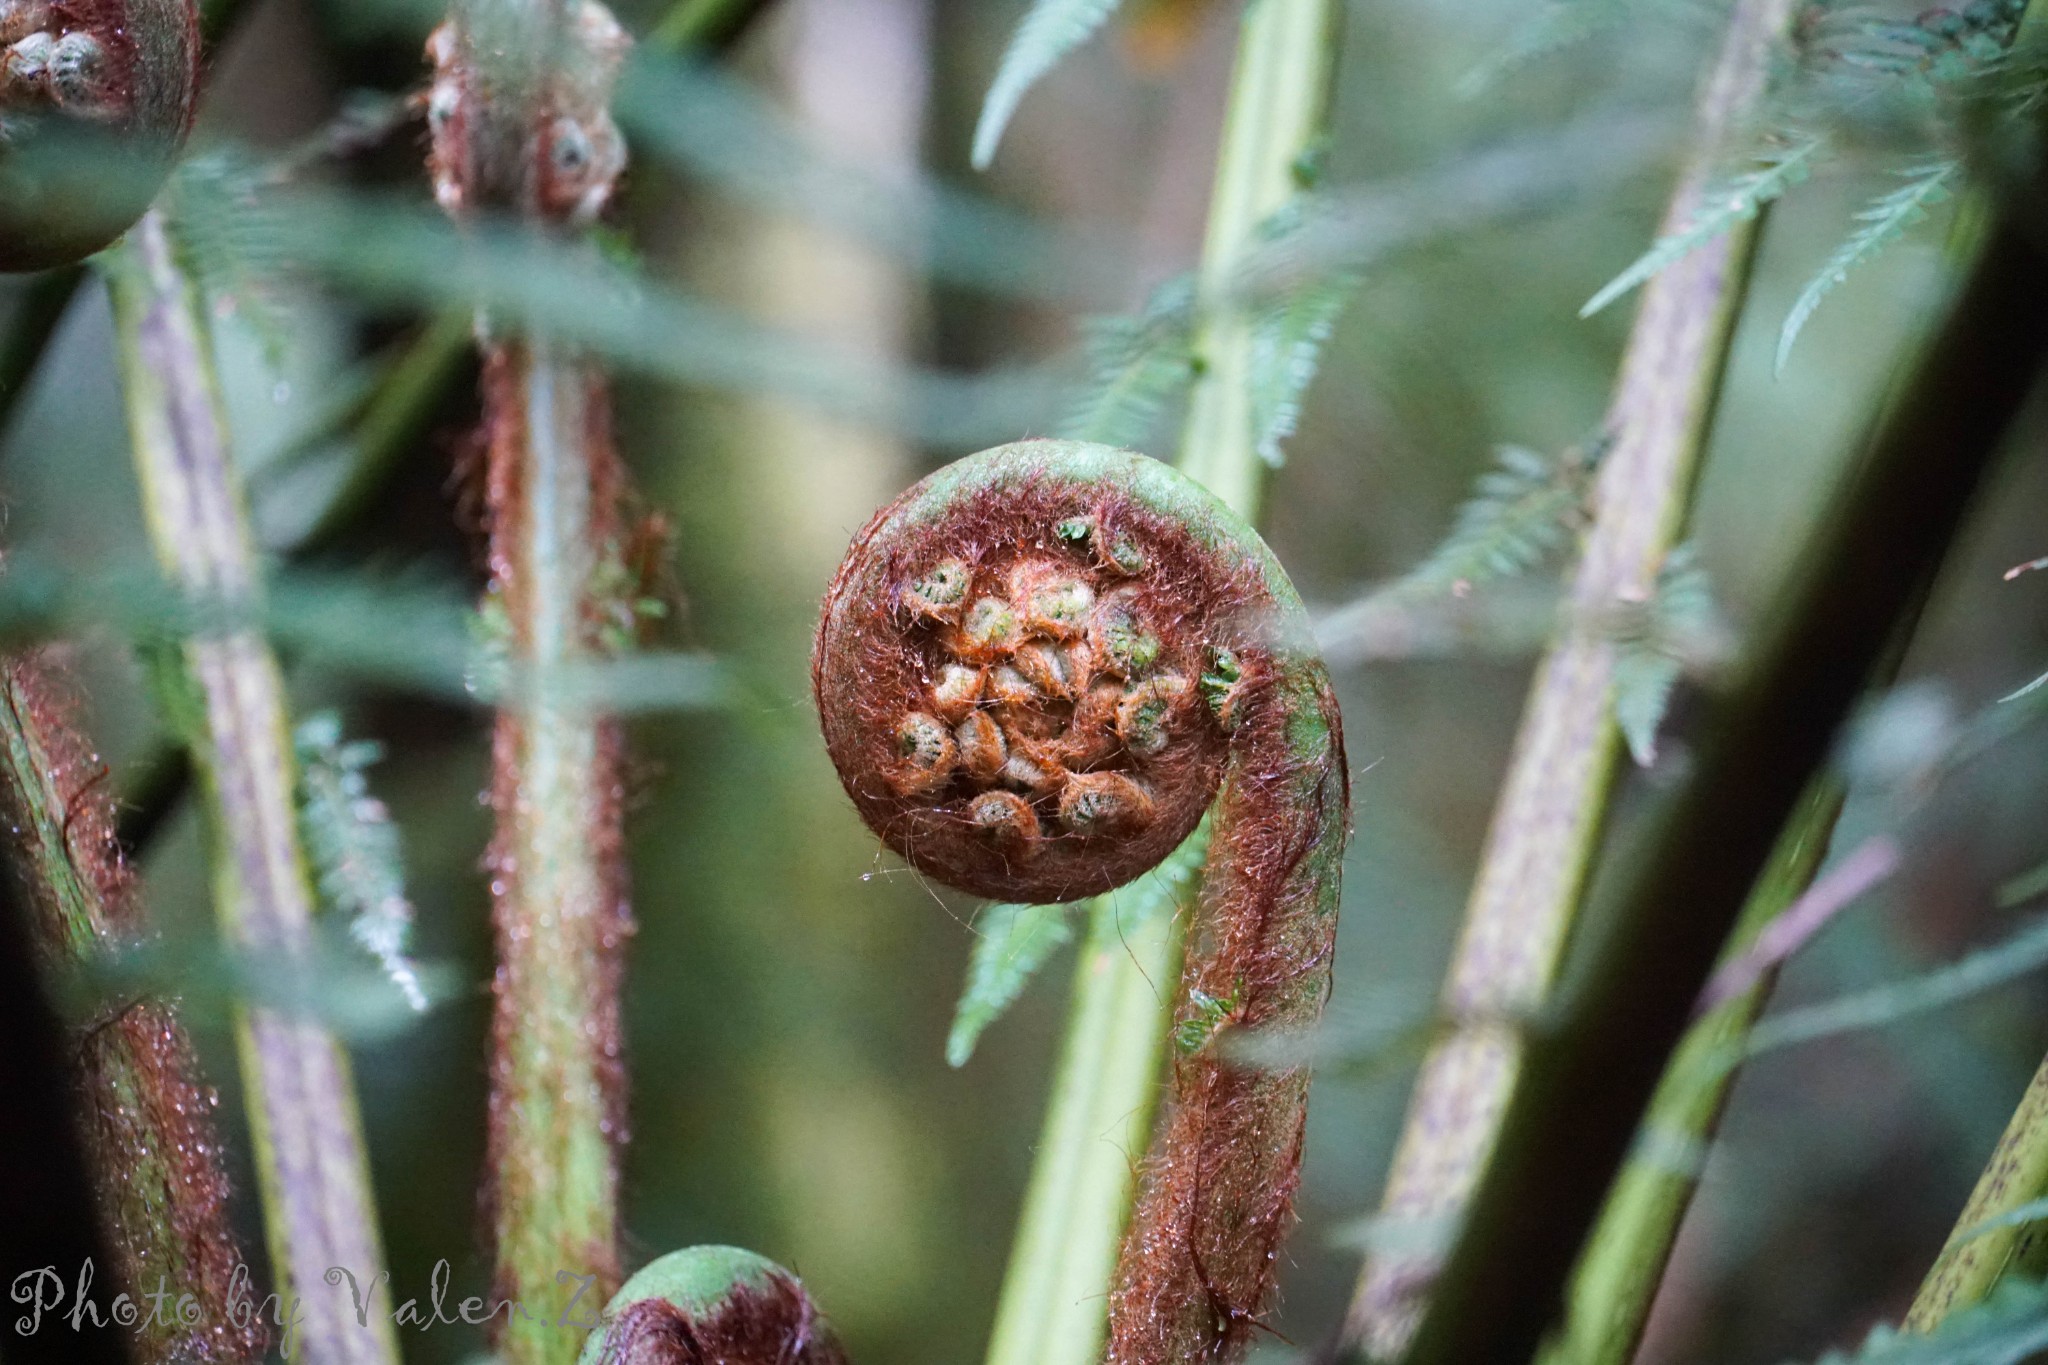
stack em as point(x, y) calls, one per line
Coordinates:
point(879, 657)
point(80, 159)
point(149, 1121)
point(771, 1323)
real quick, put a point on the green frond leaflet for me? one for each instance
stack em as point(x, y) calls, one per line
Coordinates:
point(1885, 220)
point(1721, 208)
point(1050, 30)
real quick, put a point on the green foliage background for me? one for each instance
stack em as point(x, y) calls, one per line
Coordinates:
point(792, 988)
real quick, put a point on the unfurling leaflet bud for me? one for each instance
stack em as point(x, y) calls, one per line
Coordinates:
point(96, 97)
point(712, 1305)
point(1035, 671)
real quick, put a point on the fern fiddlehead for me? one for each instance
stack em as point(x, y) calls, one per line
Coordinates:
point(96, 96)
point(712, 1305)
point(1035, 671)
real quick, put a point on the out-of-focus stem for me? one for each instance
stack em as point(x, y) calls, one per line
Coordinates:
point(1547, 825)
point(1616, 1282)
point(318, 1211)
point(148, 1121)
point(1272, 131)
point(1052, 1310)
point(1588, 1075)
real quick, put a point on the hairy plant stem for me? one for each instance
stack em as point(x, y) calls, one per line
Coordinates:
point(1616, 1282)
point(318, 1210)
point(51, 1220)
point(1589, 1071)
point(557, 1100)
point(1052, 1309)
point(1547, 825)
point(515, 83)
point(148, 1121)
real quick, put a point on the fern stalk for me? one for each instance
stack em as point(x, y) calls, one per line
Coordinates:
point(1547, 825)
point(1975, 1259)
point(1053, 1305)
point(154, 1154)
point(318, 1210)
point(1616, 1282)
point(1588, 1075)
point(517, 81)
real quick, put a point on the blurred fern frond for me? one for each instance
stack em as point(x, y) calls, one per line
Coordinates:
point(1937, 988)
point(1050, 30)
point(1650, 649)
point(1520, 513)
point(220, 223)
point(1883, 222)
point(1736, 201)
point(1553, 28)
point(1136, 366)
point(353, 846)
point(706, 122)
point(1288, 336)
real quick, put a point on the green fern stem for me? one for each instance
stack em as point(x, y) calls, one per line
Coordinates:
point(1976, 1258)
point(155, 1155)
point(1616, 1281)
point(318, 1211)
point(1273, 131)
point(1082, 1187)
point(1105, 1089)
point(1539, 848)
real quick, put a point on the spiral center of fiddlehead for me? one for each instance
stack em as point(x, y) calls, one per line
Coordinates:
point(1013, 682)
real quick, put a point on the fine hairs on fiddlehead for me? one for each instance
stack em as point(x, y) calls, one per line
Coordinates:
point(1035, 671)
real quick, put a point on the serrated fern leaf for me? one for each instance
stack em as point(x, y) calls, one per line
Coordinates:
point(1649, 649)
point(1520, 512)
point(1883, 223)
point(1287, 348)
point(1050, 30)
point(1016, 940)
point(1721, 208)
point(2009, 1327)
point(1136, 366)
point(353, 847)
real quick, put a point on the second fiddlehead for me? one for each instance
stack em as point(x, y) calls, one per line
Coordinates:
point(1035, 671)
